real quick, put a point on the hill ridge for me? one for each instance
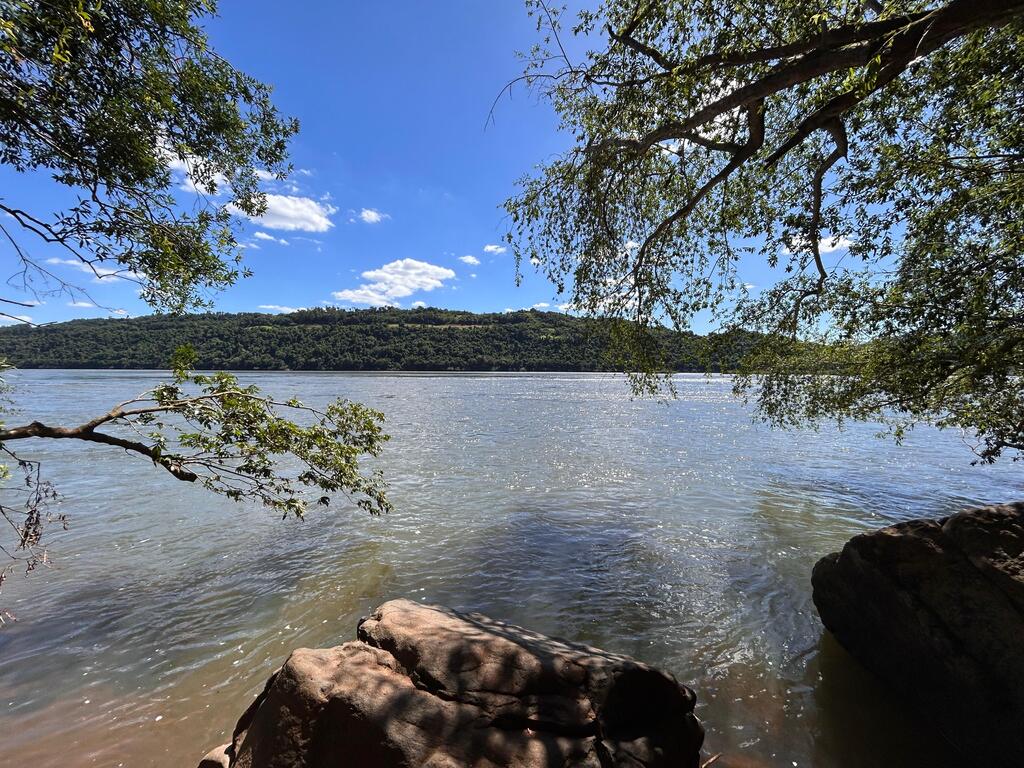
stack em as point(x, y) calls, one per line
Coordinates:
point(384, 339)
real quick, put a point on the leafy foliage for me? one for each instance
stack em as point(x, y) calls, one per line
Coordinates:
point(208, 428)
point(109, 98)
point(106, 97)
point(712, 134)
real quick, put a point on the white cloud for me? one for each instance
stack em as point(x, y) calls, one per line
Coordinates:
point(495, 249)
point(825, 245)
point(81, 266)
point(473, 275)
point(97, 271)
point(565, 307)
point(365, 295)
point(187, 165)
point(81, 304)
point(395, 281)
point(540, 305)
point(830, 245)
point(419, 304)
point(278, 308)
point(372, 216)
point(15, 319)
point(471, 260)
point(291, 213)
point(270, 238)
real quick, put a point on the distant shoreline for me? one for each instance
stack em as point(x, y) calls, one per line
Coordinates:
point(410, 374)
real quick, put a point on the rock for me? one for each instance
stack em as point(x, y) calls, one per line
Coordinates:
point(217, 758)
point(935, 608)
point(428, 686)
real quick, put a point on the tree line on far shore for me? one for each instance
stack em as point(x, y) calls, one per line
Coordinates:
point(385, 339)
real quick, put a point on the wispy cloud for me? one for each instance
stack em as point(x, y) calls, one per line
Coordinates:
point(82, 304)
point(269, 238)
point(8, 319)
point(97, 271)
point(394, 281)
point(471, 260)
point(419, 304)
point(372, 216)
point(491, 248)
point(279, 308)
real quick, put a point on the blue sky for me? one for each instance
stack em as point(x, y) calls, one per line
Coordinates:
point(400, 177)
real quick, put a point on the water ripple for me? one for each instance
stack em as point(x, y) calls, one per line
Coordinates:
point(682, 533)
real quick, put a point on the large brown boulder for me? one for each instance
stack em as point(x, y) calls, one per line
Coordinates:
point(935, 608)
point(429, 686)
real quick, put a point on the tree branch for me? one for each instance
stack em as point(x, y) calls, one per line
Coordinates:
point(87, 433)
point(755, 140)
point(838, 131)
point(896, 42)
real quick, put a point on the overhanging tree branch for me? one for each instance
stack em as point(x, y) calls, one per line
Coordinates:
point(894, 43)
point(88, 433)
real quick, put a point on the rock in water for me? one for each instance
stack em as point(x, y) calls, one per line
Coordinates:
point(217, 758)
point(935, 608)
point(428, 686)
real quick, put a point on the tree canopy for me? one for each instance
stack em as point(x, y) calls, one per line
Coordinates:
point(868, 152)
point(108, 98)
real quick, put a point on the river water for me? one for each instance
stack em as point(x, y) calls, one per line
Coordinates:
point(682, 533)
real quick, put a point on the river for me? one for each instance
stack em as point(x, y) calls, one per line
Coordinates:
point(680, 532)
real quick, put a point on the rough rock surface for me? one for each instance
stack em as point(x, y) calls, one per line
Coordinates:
point(428, 686)
point(935, 608)
point(217, 758)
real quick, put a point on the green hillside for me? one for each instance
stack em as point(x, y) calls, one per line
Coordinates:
point(332, 339)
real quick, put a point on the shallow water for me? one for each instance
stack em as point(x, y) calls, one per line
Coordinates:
point(681, 533)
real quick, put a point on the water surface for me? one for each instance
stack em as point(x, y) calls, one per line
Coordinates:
point(681, 533)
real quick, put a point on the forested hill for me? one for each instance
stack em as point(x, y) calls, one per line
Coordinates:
point(332, 339)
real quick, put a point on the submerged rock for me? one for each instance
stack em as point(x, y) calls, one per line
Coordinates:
point(935, 608)
point(429, 686)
